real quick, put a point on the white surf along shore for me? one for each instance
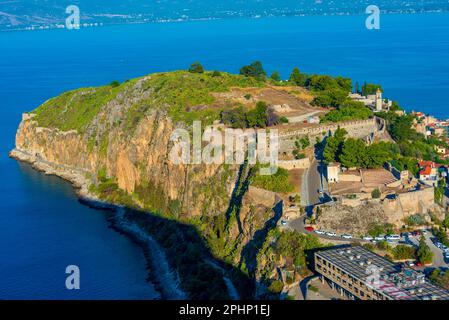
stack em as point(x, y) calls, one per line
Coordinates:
point(162, 276)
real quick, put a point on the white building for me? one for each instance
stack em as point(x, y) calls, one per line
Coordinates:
point(373, 101)
point(333, 172)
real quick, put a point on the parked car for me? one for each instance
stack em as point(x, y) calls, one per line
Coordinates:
point(319, 232)
point(331, 234)
point(379, 238)
point(368, 238)
point(410, 263)
point(416, 233)
point(283, 222)
point(446, 257)
point(419, 264)
point(346, 236)
point(393, 237)
point(310, 229)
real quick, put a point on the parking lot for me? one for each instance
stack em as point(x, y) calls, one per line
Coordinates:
point(439, 261)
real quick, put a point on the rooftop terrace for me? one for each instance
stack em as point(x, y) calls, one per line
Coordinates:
point(394, 281)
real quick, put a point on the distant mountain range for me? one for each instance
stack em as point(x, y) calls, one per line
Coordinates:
point(23, 14)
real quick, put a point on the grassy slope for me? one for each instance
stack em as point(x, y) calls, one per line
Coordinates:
point(185, 95)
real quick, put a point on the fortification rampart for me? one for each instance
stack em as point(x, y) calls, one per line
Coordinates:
point(356, 129)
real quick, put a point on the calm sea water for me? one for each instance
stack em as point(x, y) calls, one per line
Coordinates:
point(42, 226)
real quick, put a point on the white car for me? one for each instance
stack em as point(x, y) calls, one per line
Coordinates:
point(319, 232)
point(346, 236)
point(283, 222)
point(331, 234)
point(379, 238)
point(368, 238)
point(393, 237)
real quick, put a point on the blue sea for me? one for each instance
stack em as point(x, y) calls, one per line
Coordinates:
point(43, 228)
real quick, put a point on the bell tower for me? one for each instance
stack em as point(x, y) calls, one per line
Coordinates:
point(379, 101)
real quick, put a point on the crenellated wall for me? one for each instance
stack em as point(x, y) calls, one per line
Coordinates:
point(357, 129)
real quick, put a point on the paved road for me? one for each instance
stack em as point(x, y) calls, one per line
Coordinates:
point(314, 183)
point(438, 257)
point(298, 225)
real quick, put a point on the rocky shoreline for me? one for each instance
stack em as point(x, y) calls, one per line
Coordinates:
point(76, 177)
point(160, 274)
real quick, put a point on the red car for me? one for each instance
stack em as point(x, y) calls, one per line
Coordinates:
point(416, 233)
point(310, 229)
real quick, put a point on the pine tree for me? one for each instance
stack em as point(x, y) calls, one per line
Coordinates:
point(275, 76)
point(297, 78)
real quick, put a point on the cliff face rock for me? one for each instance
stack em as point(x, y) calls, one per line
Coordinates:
point(121, 135)
point(351, 220)
point(139, 160)
point(359, 219)
point(114, 144)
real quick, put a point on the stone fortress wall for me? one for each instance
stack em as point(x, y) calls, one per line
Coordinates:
point(362, 129)
point(294, 164)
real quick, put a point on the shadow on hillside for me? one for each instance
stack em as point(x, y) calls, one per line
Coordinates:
point(200, 275)
point(239, 190)
point(252, 248)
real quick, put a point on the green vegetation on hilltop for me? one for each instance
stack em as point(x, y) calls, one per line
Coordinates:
point(254, 70)
point(349, 110)
point(75, 110)
point(329, 91)
point(186, 95)
point(259, 117)
point(332, 92)
point(354, 153)
point(196, 67)
point(370, 88)
point(297, 78)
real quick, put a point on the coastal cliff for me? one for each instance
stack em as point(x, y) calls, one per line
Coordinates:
point(113, 144)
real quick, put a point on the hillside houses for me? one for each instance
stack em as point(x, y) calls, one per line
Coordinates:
point(430, 126)
point(373, 101)
point(431, 172)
